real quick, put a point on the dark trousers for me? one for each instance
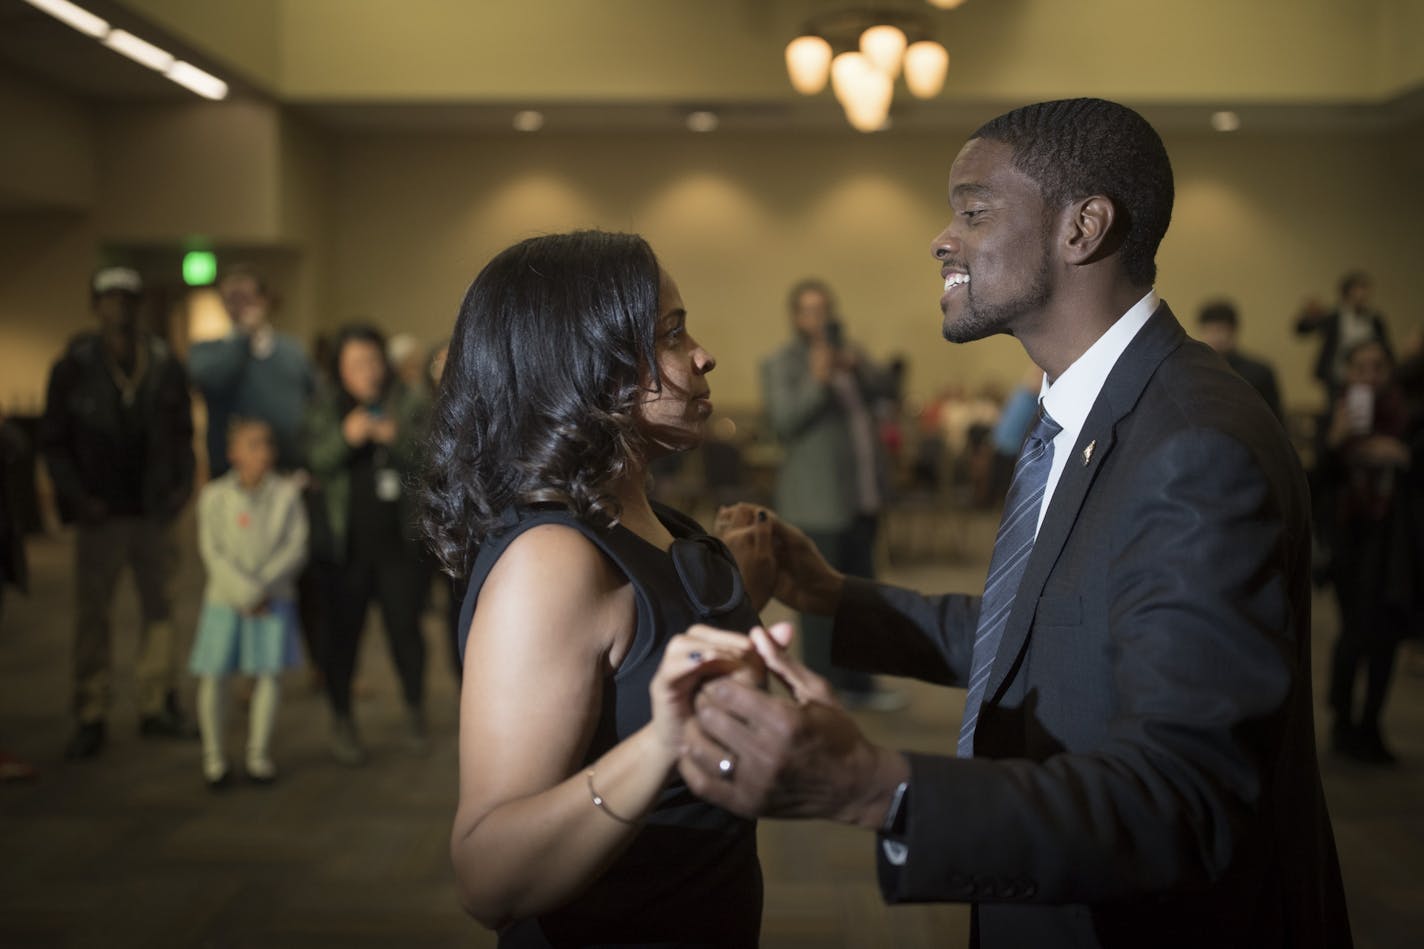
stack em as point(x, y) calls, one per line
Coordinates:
point(101, 552)
point(1370, 632)
point(399, 583)
point(851, 551)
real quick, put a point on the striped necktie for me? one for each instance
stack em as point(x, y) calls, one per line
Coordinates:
point(1012, 547)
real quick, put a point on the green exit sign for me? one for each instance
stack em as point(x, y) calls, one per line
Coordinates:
point(200, 268)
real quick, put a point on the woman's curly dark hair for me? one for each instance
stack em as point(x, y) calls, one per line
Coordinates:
point(553, 348)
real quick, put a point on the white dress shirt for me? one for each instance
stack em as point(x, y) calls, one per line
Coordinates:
point(1069, 400)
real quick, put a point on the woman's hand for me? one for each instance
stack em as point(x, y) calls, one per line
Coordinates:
point(700, 654)
point(383, 431)
point(356, 427)
point(746, 530)
point(1382, 451)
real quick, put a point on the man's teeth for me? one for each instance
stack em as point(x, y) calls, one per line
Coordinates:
point(955, 279)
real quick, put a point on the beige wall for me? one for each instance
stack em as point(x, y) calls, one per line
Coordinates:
point(1266, 220)
point(394, 226)
point(137, 184)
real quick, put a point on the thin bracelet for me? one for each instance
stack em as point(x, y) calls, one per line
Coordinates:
point(602, 805)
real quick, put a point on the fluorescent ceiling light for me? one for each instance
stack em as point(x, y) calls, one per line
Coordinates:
point(191, 77)
point(76, 16)
point(140, 51)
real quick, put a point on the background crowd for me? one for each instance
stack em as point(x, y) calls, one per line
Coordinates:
point(835, 448)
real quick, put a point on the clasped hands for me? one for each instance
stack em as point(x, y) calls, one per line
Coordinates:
point(361, 426)
point(749, 750)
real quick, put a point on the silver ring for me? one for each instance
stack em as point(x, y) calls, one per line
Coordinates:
point(725, 767)
point(695, 656)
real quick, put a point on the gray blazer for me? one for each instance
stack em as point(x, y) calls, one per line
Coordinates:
point(816, 487)
point(1145, 769)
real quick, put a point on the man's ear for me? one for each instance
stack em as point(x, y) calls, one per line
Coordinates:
point(1088, 232)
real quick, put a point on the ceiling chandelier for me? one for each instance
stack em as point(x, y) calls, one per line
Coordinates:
point(862, 51)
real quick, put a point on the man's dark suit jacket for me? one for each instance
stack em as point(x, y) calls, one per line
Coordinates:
point(1145, 770)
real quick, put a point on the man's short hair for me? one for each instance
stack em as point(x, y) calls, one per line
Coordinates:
point(1352, 280)
point(1076, 148)
point(1219, 311)
point(246, 271)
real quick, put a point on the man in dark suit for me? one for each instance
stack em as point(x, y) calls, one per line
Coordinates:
point(1349, 324)
point(1137, 763)
point(1218, 326)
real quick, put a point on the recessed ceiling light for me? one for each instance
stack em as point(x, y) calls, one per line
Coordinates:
point(1225, 121)
point(702, 121)
point(76, 16)
point(528, 121)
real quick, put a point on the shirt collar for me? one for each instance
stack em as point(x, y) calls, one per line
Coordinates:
point(1069, 400)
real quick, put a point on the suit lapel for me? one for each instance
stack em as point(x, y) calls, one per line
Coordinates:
point(1120, 393)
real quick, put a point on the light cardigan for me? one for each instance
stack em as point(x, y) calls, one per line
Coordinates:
point(253, 542)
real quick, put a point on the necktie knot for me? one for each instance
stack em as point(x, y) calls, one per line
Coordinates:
point(1045, 429)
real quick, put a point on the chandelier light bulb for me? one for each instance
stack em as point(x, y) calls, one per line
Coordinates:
point(847, 71)
point(926, 64)
point(883, 45)
point(866, 118)
point(864, 92)
point(808, 63)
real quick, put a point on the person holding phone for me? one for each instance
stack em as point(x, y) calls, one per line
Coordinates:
point(364, 442)
point(821, 392)
point(1365, 474)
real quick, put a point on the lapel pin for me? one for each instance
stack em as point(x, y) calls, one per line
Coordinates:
point(1088, 452)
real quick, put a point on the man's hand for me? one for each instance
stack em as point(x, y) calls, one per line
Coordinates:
point(756, 754)
point(804, 580)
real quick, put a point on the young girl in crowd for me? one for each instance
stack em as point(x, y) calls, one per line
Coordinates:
point(252, 535)
point(572, 368)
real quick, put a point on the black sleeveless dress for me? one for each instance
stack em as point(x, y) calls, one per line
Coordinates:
point(691, 876)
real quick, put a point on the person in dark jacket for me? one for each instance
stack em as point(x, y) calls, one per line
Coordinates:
point(1217, 326)
point(1350, 323)
point(1365, 473)
point(117, 436)
point(14, 449)
point(364, 435)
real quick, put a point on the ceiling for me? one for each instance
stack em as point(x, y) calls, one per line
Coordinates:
point(37, 46)
point(34, 45)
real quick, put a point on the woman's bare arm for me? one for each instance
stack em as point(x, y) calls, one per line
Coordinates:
point(555, 618)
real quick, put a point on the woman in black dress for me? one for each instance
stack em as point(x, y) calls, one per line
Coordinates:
point(570, 369)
